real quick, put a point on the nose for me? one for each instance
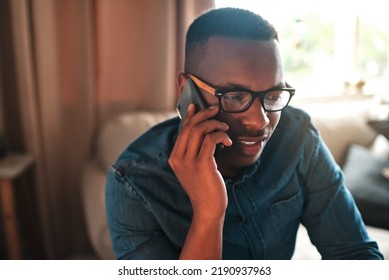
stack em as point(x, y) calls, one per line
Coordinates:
point(255, 116)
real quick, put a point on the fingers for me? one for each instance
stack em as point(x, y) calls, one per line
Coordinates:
point(200, 129)
point(192, 160)
point(208, 147)
point(193, 118)
point(212, 131)
point(179, 148)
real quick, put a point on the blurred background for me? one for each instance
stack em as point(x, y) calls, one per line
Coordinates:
point(67, 66)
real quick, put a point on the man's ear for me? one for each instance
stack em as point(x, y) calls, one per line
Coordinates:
point(181, 78)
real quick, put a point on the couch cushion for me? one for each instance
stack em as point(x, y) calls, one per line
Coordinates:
point(380, 147)
point(121, 130)
point(342, 123)
point(364, 178)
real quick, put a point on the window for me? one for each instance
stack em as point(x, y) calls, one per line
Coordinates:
point(329, 47)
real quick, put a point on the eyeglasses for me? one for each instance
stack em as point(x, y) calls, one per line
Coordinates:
point(240, 99)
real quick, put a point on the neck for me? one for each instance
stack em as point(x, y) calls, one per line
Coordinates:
point(227, 171)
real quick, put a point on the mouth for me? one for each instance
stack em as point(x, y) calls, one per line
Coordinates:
point(248, 143)
point(251, 140)
point(251, 145)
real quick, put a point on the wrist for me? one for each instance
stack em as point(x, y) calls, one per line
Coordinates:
point(208, 218)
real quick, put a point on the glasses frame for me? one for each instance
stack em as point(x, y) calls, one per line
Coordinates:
point(260, 94)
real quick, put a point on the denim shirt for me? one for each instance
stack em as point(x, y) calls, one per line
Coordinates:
point(295, 181)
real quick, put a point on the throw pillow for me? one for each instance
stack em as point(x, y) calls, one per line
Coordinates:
point(364, 178)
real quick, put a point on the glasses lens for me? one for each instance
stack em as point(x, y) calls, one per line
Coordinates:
point(240, 101)
point(235, 101)
point(276, 100)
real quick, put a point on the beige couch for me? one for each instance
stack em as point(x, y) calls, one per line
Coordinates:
point(340, 123)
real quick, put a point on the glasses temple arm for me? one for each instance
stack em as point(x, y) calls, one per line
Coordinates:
point(202, 85)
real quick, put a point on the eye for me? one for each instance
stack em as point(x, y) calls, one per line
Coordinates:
point(237, 97)
point(276, 100)
point(274, 95)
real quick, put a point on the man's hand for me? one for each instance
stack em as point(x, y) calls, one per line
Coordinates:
point(193, 162)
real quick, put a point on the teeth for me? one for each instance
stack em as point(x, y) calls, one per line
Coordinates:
point(247, 142)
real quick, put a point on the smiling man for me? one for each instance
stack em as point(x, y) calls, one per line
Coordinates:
point(172, 194)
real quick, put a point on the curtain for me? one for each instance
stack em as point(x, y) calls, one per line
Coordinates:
point(67, 67)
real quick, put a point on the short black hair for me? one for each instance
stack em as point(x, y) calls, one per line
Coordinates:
point(224, 22)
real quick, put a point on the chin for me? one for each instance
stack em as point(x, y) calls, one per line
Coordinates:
point(236, 159)
point(246, 161)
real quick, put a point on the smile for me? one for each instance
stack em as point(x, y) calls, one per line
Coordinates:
point(252, 141)
point(248, 143)
point(251, 146)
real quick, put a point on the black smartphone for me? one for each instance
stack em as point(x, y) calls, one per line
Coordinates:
point(189, 95)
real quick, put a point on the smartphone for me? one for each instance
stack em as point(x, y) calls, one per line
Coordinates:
point(189, 95)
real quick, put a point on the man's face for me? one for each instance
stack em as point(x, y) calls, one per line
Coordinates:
point(250, 64)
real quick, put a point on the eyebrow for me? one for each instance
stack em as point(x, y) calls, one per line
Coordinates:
point(228, 85)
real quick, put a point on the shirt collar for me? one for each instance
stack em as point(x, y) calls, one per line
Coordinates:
point(247, 172)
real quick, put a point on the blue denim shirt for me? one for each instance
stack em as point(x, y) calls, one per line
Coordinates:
point(295, 181)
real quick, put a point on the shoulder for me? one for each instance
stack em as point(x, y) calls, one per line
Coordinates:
point(294, 138)
point(159, 136)
point(292, 116)
point(295, 125)
point(152, 147)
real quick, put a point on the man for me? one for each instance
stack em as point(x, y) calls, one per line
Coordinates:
point(171, 195)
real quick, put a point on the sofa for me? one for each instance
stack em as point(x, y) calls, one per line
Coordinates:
point(342, 124)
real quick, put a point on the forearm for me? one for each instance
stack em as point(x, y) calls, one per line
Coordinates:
point(204, 240)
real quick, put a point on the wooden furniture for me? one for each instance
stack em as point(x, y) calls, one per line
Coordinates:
point(11, 167)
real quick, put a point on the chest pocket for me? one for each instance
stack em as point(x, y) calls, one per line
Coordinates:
point(286, 216)
point(287, 211)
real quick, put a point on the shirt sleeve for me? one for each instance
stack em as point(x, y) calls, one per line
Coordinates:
point(331, 217)
point(135, 233)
